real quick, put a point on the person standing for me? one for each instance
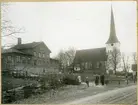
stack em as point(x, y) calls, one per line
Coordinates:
point(102, 79)
point(96, 80)
point(79, 79)
point(87, 81)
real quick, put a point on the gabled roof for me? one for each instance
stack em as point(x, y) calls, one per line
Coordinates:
point(96, 54)
point(11, 50)
point(112, 38)
point(29, 45)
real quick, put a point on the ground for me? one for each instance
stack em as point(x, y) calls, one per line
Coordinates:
point(126, 95)
point(10, 83)
point(71, 93)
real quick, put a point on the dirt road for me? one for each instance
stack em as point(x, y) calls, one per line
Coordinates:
point(125, 95)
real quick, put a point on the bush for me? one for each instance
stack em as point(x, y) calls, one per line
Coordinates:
point(8, 97)
point(54, 80)
point(51, 81)
point(71, 79)
point(27, 91)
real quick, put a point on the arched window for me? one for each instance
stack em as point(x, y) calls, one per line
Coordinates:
point(100, 64)
point(43, 55)
point(40, 55)
point(97, 65)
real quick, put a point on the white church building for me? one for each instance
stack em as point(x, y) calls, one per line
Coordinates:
point(100, 60)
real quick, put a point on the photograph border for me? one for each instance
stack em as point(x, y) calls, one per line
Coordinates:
point(74, 1)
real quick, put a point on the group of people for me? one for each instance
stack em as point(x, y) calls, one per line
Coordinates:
point(99, 79)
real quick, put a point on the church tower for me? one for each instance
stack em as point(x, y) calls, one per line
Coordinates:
point(112, 43)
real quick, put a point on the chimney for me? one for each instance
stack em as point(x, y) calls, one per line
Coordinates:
point(19, 41)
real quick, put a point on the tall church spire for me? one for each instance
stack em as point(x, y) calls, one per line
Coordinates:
point(112, 38)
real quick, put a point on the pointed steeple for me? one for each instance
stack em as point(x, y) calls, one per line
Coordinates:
point(112, 38)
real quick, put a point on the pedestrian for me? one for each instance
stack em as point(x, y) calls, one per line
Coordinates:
point(102, 79)
point(127, 78)
point(87, 81)
point(96, 80)
point(79, 79)
point(134, 76)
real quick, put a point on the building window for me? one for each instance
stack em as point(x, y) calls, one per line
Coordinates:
point(86, 65)
point(91, 65)
point(100, 64)
point(35, 62)
point(18, 59)
point(44, 70)
point(40, 55)
point(29, 60)
point(35, 54)
point(23, 59)
point(97, 65)
point(44, 62)
point(43, 55)
point(9, 58)
point(82, 64)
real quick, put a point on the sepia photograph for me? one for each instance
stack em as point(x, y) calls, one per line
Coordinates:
point(73, 52)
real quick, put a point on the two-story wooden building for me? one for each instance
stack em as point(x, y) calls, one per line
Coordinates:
point(31, 57)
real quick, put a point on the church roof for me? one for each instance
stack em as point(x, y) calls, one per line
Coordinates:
point(96, 54)
point(112, 38)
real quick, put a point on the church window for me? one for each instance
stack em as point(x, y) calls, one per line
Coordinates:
point(86, 65)
point(100, 64)
point(90, 65)
point(39, 54)
point(34, 53)
point(97, 65)
point(35, 62)
point(44, 70)
point(112, 44)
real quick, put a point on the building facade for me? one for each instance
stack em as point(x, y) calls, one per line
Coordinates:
point(113, 48)
point(100, 60)
point(90, 60)
point(31, 57)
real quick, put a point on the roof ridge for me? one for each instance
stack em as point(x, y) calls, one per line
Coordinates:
point(92, 48)
point(29, 43)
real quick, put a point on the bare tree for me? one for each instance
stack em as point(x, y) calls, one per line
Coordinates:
point(66, 57)
point(114, 60)
point(134, 57)
point(70, 53)
point(125, 60)
point(107, 66)
point(7, 28)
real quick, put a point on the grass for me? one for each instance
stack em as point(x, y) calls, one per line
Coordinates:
point(10, 83)
point(69, 93)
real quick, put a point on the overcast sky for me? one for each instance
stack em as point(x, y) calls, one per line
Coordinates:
point(81, 25)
